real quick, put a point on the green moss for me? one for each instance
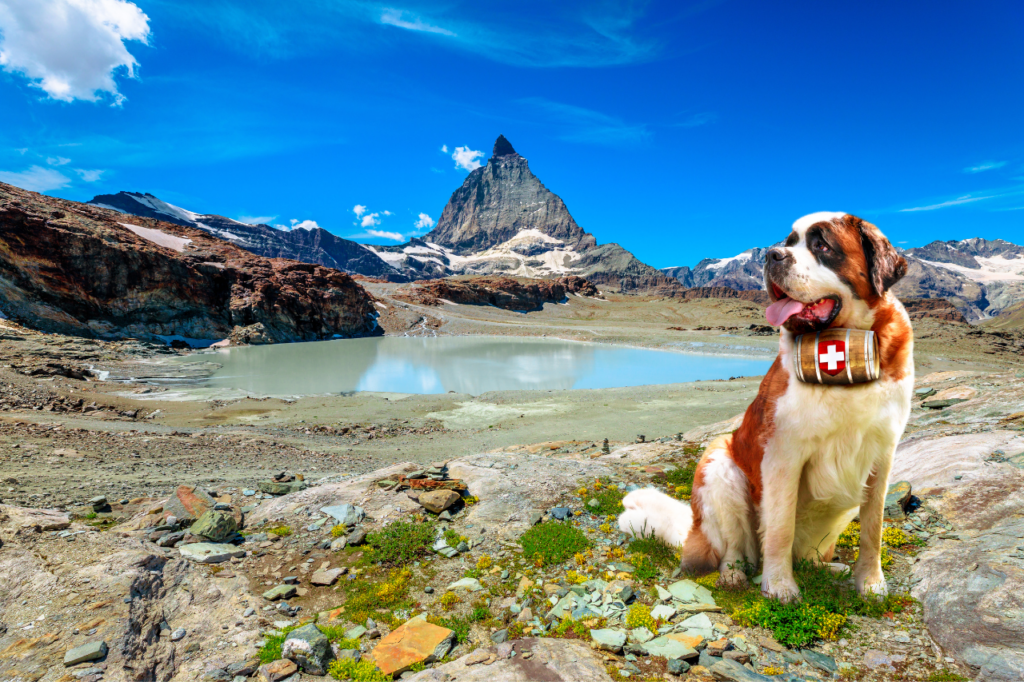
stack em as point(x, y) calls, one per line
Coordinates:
point(399, 543)
point(946, 676)
point(378, 597)
point(280, 531)
point(271, 649)
point(609, 501)
point(363, 671)
point(552, 542)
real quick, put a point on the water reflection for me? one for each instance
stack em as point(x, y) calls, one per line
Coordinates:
point(471, 365)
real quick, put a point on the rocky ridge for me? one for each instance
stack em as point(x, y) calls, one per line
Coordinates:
point(73, 268)
point(502, 292)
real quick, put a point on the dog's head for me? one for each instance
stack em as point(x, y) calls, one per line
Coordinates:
point(832, 271)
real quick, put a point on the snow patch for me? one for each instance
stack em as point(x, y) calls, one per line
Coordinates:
point(994, 269)
point(159, 238)
point(165, 208)
point(739, 258)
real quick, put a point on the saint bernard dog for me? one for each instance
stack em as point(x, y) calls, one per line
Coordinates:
point(808, 458)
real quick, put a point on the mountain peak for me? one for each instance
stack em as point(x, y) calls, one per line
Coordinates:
point(502, 147)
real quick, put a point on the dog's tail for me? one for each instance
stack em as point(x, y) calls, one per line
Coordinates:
point(649, 511)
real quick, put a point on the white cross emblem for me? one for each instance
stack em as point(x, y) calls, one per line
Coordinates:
point(832, 358)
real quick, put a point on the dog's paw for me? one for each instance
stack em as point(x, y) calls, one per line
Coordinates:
point(732, 579)
point(783, 589)
point(872, 587)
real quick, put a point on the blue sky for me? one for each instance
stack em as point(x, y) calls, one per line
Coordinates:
point(679, 130)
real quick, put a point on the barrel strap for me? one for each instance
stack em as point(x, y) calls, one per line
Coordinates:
point(799, 357)
point(817, 364)
point(849, 371)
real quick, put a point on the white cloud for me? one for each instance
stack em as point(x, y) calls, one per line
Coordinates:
point(966, 199)
point(467, 158)
point(359, 210)
point(444, 149)
point(57, 161)
point(71, 49)
point(256, 219)
point(424, 221)
point(89, 175)
point(985, 166)
point(386, 212)
point(411, 22)
point(386, 235)
point(304, 225)
point(370, 219)
point(36, 179)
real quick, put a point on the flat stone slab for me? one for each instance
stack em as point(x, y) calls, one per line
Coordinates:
point(689, 591)
point(551, 659)
point(345, 514)
point(415, 641)
point(210, 552)
point(734, 671)
point(608, 639)
point(280, 592)
point(87, 652)
point(328, 577)
point(468, 584)
point(668, 648)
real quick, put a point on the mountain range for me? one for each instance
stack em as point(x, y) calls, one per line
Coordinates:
point(504, 221)
point(980, 277)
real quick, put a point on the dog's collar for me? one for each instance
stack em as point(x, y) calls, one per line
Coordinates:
point(837, 357)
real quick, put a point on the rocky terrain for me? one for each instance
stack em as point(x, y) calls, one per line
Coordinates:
point(287, 512)
point(76, 269)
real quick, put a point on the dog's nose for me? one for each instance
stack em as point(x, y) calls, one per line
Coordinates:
point(777, 254)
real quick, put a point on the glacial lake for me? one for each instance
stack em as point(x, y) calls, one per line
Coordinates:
point(464, 364)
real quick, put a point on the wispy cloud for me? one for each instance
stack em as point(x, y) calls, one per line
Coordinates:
point(359, 210)
point(985, 166)
point(966, 199)
point(88, 175)
point(578, 124)
point(407, 20)
point(370, 219)
point(57, 160)
point(386, 235)
point(256, 219)
point(36, 179)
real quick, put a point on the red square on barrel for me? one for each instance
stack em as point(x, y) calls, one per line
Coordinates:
point(832, 357)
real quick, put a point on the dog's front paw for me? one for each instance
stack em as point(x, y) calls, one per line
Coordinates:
point(874, 586)
point(732, 579)
point(783, 589)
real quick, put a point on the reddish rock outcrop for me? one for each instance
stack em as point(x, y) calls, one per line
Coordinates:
point(938, 308)
point(72, 268)
point(502, 292)
point(759, 297)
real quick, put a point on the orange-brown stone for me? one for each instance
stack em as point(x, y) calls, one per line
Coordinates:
point(415, 641)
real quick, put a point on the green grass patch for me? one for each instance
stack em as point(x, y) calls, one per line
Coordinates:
point(380, 598)
point(460, 624)
point(280, 531)
point(827, 602)
point(946, 676)
point(453, 538)
point(399, 543)
point(609, 501)
point(552, 542)
point(271, 649)
point(349, 669)
point(650, 556)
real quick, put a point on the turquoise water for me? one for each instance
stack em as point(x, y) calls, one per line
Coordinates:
point(464, 364)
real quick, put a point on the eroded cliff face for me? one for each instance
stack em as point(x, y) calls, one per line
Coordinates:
point(502, 292)
point(76, 269)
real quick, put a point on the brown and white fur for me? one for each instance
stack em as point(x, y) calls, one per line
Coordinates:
point(807, 458)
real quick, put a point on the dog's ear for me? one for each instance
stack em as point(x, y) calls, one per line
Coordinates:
point(885, 265)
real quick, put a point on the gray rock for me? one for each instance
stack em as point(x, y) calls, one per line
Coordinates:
point(216, 526)
point(499, 636)
point(896, 500)
point(91, 651)
point(678, 666)
point(593, 503)
point(244, 668)
point(345, 514)
point(688, 591)
point(535, 518)
point(560, 513)
point(734, 671)
point(357, 536)
point(338, 544)
point(354, 654)
point(820, 660)
point(608, 639)
point(309, 648)
point(275, 488)
point(468, 584)
point(668, 648)
point(171, 539)
point(178, 634)
point(355, 633)
point(209, 552)
point(462, 547)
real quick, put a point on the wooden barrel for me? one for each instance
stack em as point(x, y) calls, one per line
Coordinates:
point(837, 357)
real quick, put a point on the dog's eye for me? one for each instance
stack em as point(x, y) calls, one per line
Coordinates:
point(821, 246)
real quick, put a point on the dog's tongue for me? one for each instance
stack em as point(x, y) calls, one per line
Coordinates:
point(783, 309)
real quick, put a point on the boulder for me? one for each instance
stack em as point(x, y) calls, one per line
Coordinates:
point(280, 592)
point(209, 552)
point(357, 536)
point(188, 503)
point(415, 641)
point(86, 652)
point(668, 648)
point(216, 526)
point(345, 514)
point(468, 584)
point(275, 488)
point(896, 500)
point(734, 671)
point(608, 639)
point(309, 648)
point(437, 501)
